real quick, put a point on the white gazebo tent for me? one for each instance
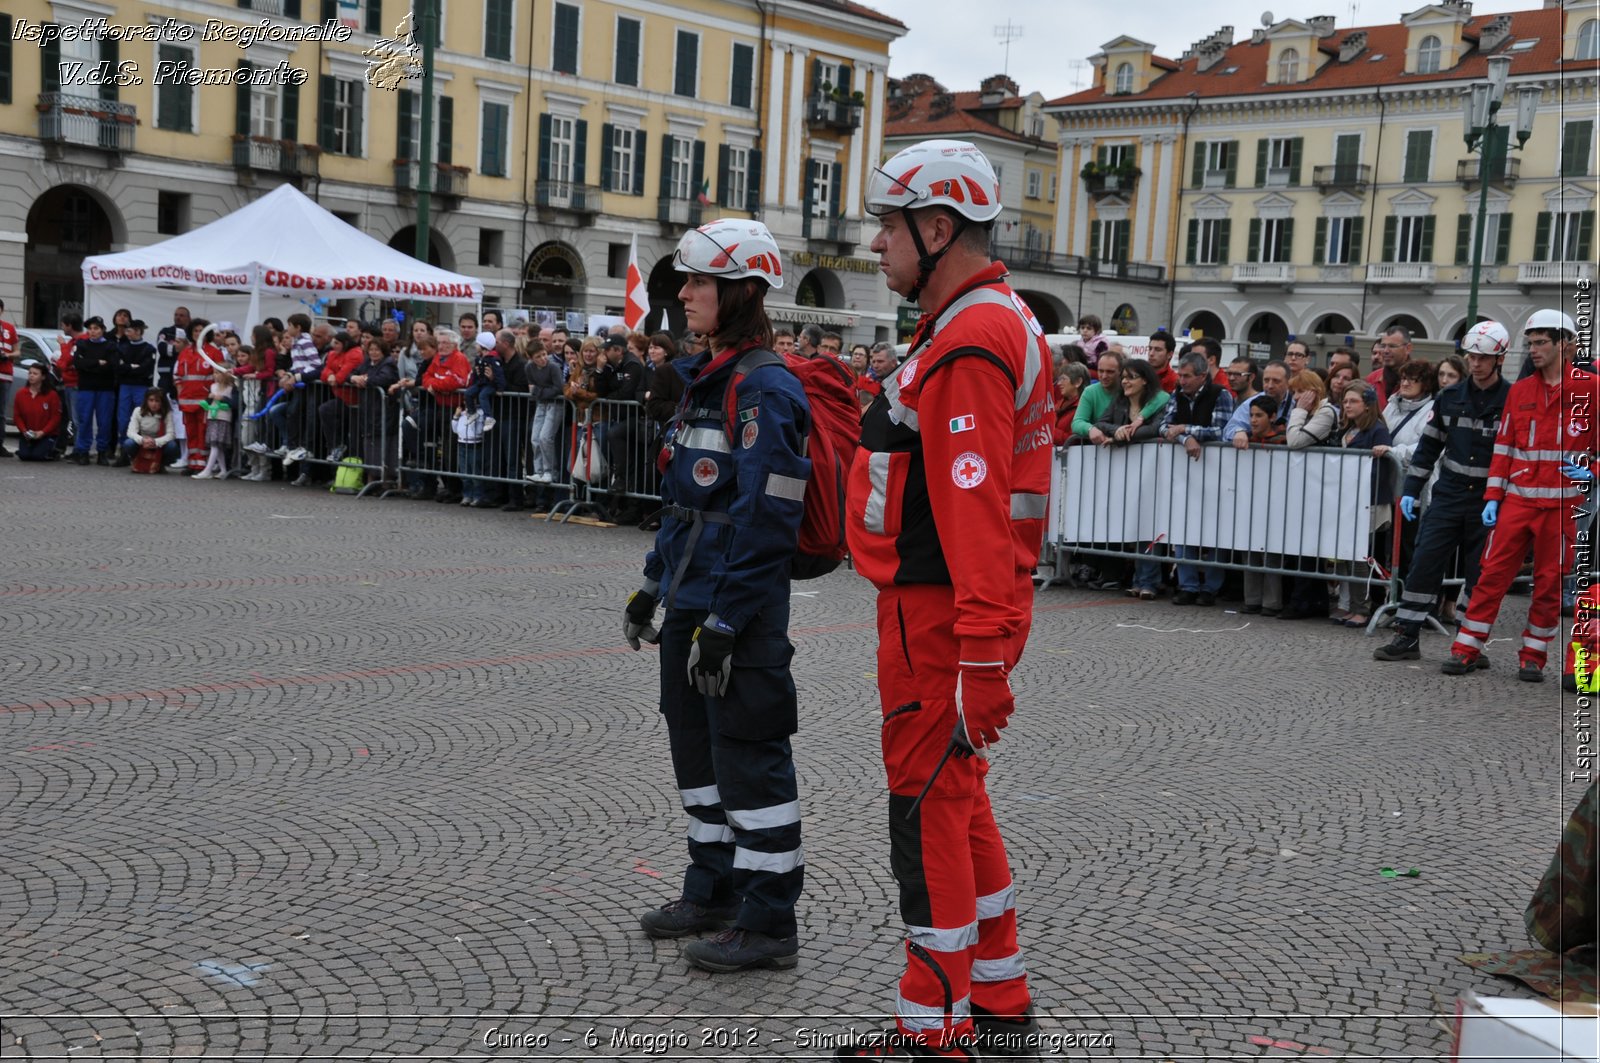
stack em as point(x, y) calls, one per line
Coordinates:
point(283, 250)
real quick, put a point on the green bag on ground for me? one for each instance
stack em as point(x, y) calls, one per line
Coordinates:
point(349, 478)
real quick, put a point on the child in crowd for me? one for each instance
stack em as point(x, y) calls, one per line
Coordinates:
point(488, 379)
point(1264, 427)
point(219, 409)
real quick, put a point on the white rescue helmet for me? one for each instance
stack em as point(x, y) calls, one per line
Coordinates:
point(942, 173)
point(1550, 318)
point(1486, 337)
point(732, 248)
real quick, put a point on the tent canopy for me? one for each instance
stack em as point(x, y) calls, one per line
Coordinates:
point(283, 244)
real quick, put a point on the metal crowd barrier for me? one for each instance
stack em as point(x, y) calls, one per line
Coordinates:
point(1268, 511)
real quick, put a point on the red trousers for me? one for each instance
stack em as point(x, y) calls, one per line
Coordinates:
point(1550, 533)
point(194, 426)
point(956, 895)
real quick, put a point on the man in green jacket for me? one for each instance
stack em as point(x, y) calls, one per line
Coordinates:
point(1098, 397)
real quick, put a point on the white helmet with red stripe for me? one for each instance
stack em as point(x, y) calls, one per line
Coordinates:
point(937, 173)
point(732, 248)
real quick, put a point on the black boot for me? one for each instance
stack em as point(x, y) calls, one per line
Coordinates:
point(1403, 648)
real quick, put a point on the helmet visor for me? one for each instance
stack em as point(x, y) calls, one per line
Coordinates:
point(886, 193)
point(700, 252)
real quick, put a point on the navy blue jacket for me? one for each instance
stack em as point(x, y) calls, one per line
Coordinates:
point(1459, 436)
point(137, 362)
point(757, 478)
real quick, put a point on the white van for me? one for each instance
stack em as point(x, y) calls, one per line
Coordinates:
point(1132, 346)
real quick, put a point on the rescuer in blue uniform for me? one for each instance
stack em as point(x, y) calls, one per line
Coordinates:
point(733, 483)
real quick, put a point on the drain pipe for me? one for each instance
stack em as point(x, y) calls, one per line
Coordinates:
point(1183, 172)
point(761, 97)
point(1377, 157)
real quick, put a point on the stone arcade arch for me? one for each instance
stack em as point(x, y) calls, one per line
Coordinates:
point(65, 224)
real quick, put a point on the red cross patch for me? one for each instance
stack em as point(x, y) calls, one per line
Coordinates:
point(705, 472)
point(969, 471)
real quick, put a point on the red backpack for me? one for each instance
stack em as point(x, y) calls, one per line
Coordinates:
point(835, 433)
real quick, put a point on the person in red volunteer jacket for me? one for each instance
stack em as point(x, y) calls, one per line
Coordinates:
point(337, 415)
point(192, 373)
point(946, 513)
point(445, 376)
point(1538, 475)
point(38, 414)
point(8, 351)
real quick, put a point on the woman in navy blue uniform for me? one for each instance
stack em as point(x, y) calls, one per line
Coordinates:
point(733, 477)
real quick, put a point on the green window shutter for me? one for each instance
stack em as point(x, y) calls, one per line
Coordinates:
point(684, 81)
point(1357, 226)
point(1427, 238)
point(1198, 174)
point(639, 144)
point(753, 182)
point(1319, 243)
point(374, 21)
point(743, 75)
point(1094, 240)
point(490, 138)
point(1391, 229)
point(403, 146)
point(722, 175)
point(566, 39)
point(666, 165)
point(1286, 248)
point(816, 76)
point(445, 153)
point(544, 147)
point(110, 51)
point(1502, 240)
point(1585, 236)
point(607, 137)
point(1122, 229)
point(697, 170)
point(174, 102)
point(1100, 155)
point(844, 79)
point(1463, 239)
point(5, 58)
point(1253, 252)
point(837, 188)
point(327, 88)
point(1541, 237)
point(580, 151)
point(1419, 145)
point(1224, 232)
point(241, 103)
point(289, 127)
point(627, 61)
point(291, 9)
point(1575, 148)
point(50, 63)
point(497, 29)
point(1263, 148)
point(357, 105)
point(1194, 241)
point(1232, 153)
point(329, 11)
point(1296, 150)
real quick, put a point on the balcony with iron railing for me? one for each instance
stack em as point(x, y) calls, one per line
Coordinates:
point(1246, 274)
point(1412, 274)
point(680, 213)
point(86, 121)
point(1467, 173)
point(1566, 275)
point(834, 111)
point(1346, 176)
point(268, 155)
point(567, 195)
point(832, 230)
point(448, 187)
point(1118, 182)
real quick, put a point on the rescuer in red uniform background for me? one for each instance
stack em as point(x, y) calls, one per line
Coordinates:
point(1541, 456)
point(947, 507)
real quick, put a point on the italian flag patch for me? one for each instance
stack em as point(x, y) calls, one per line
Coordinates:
point(964, 423)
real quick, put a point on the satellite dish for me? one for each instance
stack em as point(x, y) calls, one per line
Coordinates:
point(1266, 20)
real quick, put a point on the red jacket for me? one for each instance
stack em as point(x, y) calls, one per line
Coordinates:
point(193, 376)
point(1168, 379)
point(1541, 425)
point(8, 347)
point(447, 376)
point(1375, 378)
point(337, 369)
point(38, 413)
point(64, 366)
point(955, 461)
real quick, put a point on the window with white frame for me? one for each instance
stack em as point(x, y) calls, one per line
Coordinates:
point(1571, 234)
point(344, 127)
point(1589, 40)
point(1116, 155)
point(827, 74)
point(1035, 183)
point(623, 153)
point(265, 111)
point(1280, 161)
point(738, 192)
point(1113, 241)
point(1053, 179)
point(1275, 238)
point(1340, 245)
point(1491, 236)
point(1411, 241)
point(563, 146)
point(1289, 66)
point(1124, 81)
point(821, 189)
point(1211, 241)
point(78, 58)
point(1217, 161)
point(1428, 55)
point(682, 168)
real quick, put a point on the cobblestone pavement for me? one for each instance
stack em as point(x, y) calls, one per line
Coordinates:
point(294, 774)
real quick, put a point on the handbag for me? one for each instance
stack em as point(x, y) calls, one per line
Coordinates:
point(588, 461)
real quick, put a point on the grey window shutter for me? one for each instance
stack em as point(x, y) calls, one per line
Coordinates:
point(752, 198)
point(1319, 243)
point(607, 132)
point(580, 151)
point(445, 155)
point(403, 146)
point(289, 127)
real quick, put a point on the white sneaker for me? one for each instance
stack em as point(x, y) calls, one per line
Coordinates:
point(488, 423)
point(535, 478)
point(257, 448)
point(203, 474)
point(297, 454)
point(281, 452)
point(257, 477)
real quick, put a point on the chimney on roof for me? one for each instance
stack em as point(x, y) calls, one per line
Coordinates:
point(995, 89)
point(1258, 36)
point(1464, 5)
point(1321, 25)
point(1353, 45)
point(1494, 34)
point(943, 103)
point(1213, 48)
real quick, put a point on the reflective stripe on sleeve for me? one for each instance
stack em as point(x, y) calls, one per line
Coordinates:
point(1026, 506)
point(790, 487)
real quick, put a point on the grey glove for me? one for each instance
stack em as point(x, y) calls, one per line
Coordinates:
point(711, 657)
point(638, 624)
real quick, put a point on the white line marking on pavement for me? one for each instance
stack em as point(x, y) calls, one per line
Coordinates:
point(297, 516)
point(1189, 630)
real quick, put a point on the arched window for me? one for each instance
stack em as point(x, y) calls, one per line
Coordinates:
point(1428, 55)
point(1589, 40)
point(1288, 66)
point(1124, 79)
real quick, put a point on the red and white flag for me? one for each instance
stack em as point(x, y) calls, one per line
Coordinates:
point(636, 303)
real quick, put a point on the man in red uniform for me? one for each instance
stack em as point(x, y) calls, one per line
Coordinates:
point(192, 373)
point(1541, 454)
point(947, 507)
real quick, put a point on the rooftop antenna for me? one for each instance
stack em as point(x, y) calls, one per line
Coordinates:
point(1006, 34)
point(1075, 69)
point(1355, 6)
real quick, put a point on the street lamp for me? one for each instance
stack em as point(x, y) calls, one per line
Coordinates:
point(1485, 135)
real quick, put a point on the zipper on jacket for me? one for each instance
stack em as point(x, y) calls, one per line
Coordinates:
point(900, 615)
point(901, 710)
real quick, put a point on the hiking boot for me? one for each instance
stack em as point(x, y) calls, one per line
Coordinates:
point(1404, 647)
point(1530, 673)
point(1205, 598)
point(892, 1045)
point(1183, 598)
point(739, 950)
point(1459, 665)
point(681, 918)
point(1006, 1037)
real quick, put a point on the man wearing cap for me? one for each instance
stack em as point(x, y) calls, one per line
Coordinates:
point(945, 515)
point(1541, 458)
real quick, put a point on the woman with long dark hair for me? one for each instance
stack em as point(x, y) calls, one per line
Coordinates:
point(733, 488)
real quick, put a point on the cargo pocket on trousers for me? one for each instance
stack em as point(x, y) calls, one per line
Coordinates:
point(760, 704)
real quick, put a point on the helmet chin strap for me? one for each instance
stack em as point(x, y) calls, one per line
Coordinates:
point(925, 261)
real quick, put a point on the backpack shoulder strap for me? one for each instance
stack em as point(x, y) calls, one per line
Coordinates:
point(749, 362)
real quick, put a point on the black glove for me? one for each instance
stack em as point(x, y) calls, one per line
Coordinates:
point(711, 657)
point(639, 625)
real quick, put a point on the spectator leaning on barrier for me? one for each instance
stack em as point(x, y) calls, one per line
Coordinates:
point(666, 386)
point(1458, 439)
point(1539, 474)
point(1124, 423)
point(1070, 382)
point(336, 414)
point(514, 410)
point(546, 382)
point(1244, 376)
point(377, 412)
point(1197, 414)
point(1364, 429)
point(38, 413)
point(1313, 420)
point(442, 380)
point(1263, 591)
point(730, 526)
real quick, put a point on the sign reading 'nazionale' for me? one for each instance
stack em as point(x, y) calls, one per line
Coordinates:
point(849, 265)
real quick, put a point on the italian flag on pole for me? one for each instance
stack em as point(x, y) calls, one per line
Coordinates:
point(636, 305)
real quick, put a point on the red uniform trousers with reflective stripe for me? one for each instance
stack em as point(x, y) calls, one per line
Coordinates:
point(194, 427)
point(956, 895)
point(1550, 531)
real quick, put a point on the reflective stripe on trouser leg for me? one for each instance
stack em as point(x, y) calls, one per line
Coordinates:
point(1553, 531)
point(999, 977)
point(1502, 560)
point(1453, 519)
point(708, 880)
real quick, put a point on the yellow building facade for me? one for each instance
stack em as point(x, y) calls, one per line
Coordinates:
point(561, 134)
